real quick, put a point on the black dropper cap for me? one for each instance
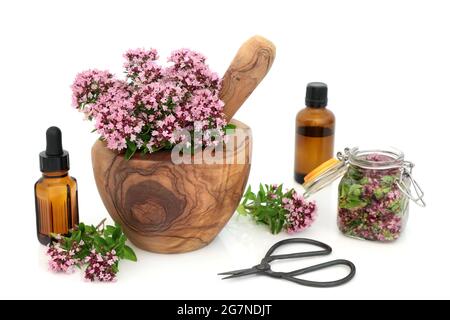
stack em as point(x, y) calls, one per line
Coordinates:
point(316, 95)
point(54, 158)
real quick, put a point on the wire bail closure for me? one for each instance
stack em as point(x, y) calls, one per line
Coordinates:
point(406, 180)
point(343, 156)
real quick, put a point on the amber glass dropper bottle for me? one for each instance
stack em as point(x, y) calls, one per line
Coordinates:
point(314, 138)
point(55, 192)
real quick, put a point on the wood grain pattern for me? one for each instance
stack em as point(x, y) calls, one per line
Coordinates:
point(170, 208)
point(250, 65)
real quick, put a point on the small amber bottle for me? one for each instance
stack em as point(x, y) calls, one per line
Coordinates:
point(56, 194)
point(314, 138)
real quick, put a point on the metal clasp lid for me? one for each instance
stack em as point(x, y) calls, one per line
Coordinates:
point(334, 168)
point(326, 173)
point(343, 156)
point(406, 180)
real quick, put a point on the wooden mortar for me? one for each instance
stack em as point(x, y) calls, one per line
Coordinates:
point(171, 208)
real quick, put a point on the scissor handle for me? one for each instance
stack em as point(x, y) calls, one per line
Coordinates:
point(269, 257)
point(290, 276)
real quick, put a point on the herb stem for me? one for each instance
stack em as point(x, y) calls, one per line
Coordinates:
point(102, 223)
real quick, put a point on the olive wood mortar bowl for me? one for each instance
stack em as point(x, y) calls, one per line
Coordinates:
point(171, 208)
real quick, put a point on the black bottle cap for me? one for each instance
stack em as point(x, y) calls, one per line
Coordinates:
point(316, 95)
point(54, 158)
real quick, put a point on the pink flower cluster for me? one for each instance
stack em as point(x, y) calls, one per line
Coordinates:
point(300, 213)
point(63, 260)
point(100, 267)
point(154, 104)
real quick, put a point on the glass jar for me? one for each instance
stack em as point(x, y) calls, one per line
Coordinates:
point(374, 191)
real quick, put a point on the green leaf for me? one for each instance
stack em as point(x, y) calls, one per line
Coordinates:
point(248, 195)
point(110, 242)
point(378, 192)
point(355, 190)
point(115, 268)
point(355, 223)
point(120, 250)
point(272, 225)
point(388, 180)
point(352, 202)
point(117, 233)
point(343, 189)
point(230, 126)
point(354, 173)
point(270, 212)
point(131, 149)
point(395, 206)
point(261, 196)
point(278, 226)
point(81, 227)
point(90, 229)
point(364, 180)
point(261, 188)
point(100, 241)
point(241, 209)
point(251, 196)
point(129, 254)
point(122, 239)
point(77, 236)
point(109, 230)
point(279, 190)
point(67, 243)
point(83, 253)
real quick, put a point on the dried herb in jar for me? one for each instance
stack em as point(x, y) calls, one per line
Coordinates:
point(371, 206)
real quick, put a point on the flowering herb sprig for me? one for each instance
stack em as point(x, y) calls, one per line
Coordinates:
point(98, 249)
point(154, 106)
point(278, 209)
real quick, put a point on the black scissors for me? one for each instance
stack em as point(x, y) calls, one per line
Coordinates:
point(264, 266)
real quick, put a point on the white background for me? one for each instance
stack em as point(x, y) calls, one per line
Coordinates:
point(387, 67)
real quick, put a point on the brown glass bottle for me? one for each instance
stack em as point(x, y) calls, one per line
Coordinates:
point(314, 138)
point(56, 193)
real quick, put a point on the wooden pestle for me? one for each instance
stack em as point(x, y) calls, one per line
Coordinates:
point(250, 65)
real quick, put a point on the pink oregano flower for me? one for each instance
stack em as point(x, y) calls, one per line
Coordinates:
point(300, 213)
point(145, 111)
point(63, 260)
point(100, 267)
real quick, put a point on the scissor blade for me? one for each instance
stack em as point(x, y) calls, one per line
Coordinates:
point(233, 272)
point(238, 273)
point(232, 276)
